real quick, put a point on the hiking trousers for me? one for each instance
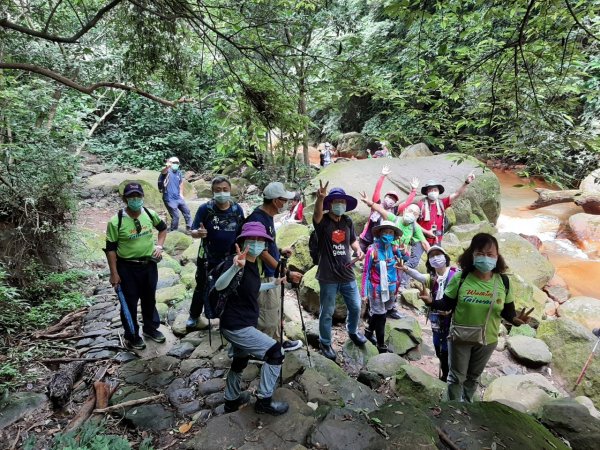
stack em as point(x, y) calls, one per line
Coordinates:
point(200, 291)
point(467, 362)
point(327, 296)
point(174, 206)
point(416, 252)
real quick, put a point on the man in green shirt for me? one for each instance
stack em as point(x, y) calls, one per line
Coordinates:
point(132, 258)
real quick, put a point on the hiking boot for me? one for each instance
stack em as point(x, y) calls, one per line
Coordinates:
point(394, 314)
point(268, 406)
point(358, 339)
point(327, 351)
point(234, 405)
point(191, 323)
point(290, 346)
point(596, 332)
point(370, 336)
point(383, 349)
point(136, 343)
point(155, 335)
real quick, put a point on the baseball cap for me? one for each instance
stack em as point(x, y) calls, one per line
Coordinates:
point(174, 159)
point(133, 188)
point(277, 190)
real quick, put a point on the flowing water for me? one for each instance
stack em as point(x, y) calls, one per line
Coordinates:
point(578, 268)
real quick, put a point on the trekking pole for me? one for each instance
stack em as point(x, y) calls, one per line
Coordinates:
point(303, 327)
point(125, 310)
point(280, 272)
point(587, 363)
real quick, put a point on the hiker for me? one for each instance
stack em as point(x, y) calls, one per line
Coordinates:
point(295, 212)
point(217, 223)
point(327, 154)
point(170, 183)
point(132, 257)
point(433, 208)
point(438, 276)
point(478, 297)
point(239, 320)
point(275, 201)
point(335, 234)
point(391, 203)
point(381, 280)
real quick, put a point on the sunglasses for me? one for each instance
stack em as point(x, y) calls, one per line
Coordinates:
point(138, 226)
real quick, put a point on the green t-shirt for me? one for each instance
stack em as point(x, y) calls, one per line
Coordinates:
point(474, 301)
point(131, 244)
point(409, 236)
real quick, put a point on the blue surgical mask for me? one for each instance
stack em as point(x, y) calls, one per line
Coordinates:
point(386, 238)
point(222, 197)
point(255, 247)
point(484, 263)
point(175, 167)
point(135, 204)
point(338, 209)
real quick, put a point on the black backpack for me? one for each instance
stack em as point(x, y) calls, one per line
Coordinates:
point(120, 218)
point(313, 241)
point(217, 300)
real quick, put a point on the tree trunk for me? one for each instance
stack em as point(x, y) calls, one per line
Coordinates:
point(61, 384)
point(302, 110)
point(548, 197)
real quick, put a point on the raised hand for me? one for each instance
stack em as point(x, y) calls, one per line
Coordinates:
point(470, 178)
point(522, 318)
point(322, 192)
point(414, 183)
point(239, 259)
point(385, 171)
point(424, 295)
point(400, 264)
point(365, 199)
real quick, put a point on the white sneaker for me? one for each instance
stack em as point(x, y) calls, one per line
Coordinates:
point(290, 346)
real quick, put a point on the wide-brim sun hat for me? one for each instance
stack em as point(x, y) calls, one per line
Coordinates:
point(387, 225)
point(339, 194)
point(432, 183)
point(254, 229)
point(392, 194)
point(438, 248)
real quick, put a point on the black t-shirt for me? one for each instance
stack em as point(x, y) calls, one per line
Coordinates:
point(258, 215)
point(241, 309)
point(334, 249)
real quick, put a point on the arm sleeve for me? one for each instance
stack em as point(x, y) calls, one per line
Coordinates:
point(408, 201)
point(267, 286)
point(226, 277)
point(199, 217)
point(377, 190)
point(365, 274)
point(420, 277)
point(508, 313)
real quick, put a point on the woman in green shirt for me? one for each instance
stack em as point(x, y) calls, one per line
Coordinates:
point(479, 297)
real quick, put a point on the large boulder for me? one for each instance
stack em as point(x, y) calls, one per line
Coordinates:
point(86, 248)
point(480, 202)
point(524, 259)
point(526, 295)
point(465, 232)
point(386, 364)
point(530, 351)
point(585, 310)
point(202, 188)
point(177, 241)
point(526, 392)
point(591, 183)
point(586, 230)
point(589, 202)
point(301, 260)
point(571, 344)
point(166, 277)
point(309, 296)
point(288, 234)
point(413, 382)
point(190, 254)
point(352, 144)
point(573, 422)
point(419, 150)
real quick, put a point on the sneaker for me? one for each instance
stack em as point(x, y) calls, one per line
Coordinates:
point(191, 323)
point(394, 314)
point(370, 336)
point(234, 405)
point(155, 335)
point(383, 349)
point(290, 346)
point(358, 339)
point(327, 351)
point(137, 343)
point(269, 406)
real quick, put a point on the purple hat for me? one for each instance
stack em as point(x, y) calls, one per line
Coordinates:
point(133, 188)
point(339, 194)
point(254, 229)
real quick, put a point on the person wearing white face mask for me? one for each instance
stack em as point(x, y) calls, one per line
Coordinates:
point(170, 183)
point(217, 222)
point(439, 274)
point(432, 208)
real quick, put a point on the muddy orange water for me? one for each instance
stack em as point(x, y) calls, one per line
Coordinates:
point(580, 270)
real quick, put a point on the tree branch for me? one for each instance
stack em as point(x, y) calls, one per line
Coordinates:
point(583, 27)
point(5, 23)
point(90, 89)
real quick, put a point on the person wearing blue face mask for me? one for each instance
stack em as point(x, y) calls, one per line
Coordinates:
point(336, 237)
point(217, 222)
point(381, 280)
point(170, 183)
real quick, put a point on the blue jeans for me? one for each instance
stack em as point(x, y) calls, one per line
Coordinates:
point(174, 206)
point(327, 296)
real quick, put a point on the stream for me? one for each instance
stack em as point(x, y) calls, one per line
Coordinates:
point(580, 269)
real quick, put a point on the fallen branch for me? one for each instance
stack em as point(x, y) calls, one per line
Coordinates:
point(60, 386)
point(446, 439)
point(68, 360)
point(84, 412)
point(548, 197)
point(129, 403)
point(69, 318)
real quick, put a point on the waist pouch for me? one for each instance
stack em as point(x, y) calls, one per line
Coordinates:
point(466, 334)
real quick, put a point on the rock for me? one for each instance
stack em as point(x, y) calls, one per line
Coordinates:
point(419, 150)
point(411, 297)
point(221, 360)
point(215, 399)
point(572, 421)
point(586, 230)
point(530, 391)
point(386, 364)
point(571, 344)
point(465, 232)
point(194, 338)
point(523, 258)
point(180, 396)
point(150, 417)
point(301, 261)
point(166, 278)
point(190, 254)
point(128, 393)
point(238, 186)
point(585, 310)
point(250, 372)
point(400, 342)
point(529, 351)
point(177, 242)
point(289, 233)
point(170, 295)
point(178, 326)
point(181, 350)
point(526, 295)
point(583, 400)
point(211, 386)
point(188, 276)
point(591, 183)
point(413, 382)
point(480, 202)
point(19, 405)
point(202, 416)
point(342, 429)
point(501, 346)
point(189, 408)
point(523, 330)
point(202, 188)
point(168, 261)
point(358, 356)
point(163, 311)
point(493, 425)
point(205, 350)
point(370, 379)
point(318, 389)
point(352, 144)
point(589, 202)
point(559, 294)
point(190, 365)
point(309, 296)
point(408, 325)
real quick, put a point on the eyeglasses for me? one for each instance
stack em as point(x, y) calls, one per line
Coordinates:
point(138, 226)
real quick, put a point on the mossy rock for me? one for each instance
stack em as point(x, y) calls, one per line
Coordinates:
point(413, 382)
point(152, 198)
point(239, 186)
point(465, 232)
point(526, 392)
point(571, 344)
point(170, 295)
point(188, 276)
point(87, 247)
point(190, 254)
point(202, 188)
point(177, 242)
point(163, 311)
point(585, 310)
point(309, 296)
point(289, 233)
point(524, 259)
point(398, 341)
point(411, 297)
point(301, 260)
point(166, 277)
point(170, 262)
point(358, 356)
point(408, 325)
point(527, 295)
point(523, 330)
point(386, 364)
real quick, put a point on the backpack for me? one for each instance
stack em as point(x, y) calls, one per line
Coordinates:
point(217, 300)
point(234, 215)
point(313, 241)
point(120, 218)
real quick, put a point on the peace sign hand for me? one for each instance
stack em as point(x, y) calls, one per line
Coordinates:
point(322, 192)
point(522, 318)
point(365, 199)
point(424, 295)
point(239, 260)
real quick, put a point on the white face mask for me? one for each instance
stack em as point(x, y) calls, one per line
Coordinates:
point(433, 196)
point(408, 218)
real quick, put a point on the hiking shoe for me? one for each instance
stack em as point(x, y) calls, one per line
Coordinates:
point(155, 335)
point(137, 343)
point(191, 323)
point(358, 339)
point(327, 351)
point(383, 349)
point(234, 405)
point(394, 314)
point(370, 336)
point(268, 406)
point(290, 346)
point(596, 332)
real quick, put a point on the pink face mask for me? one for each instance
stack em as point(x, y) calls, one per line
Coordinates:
point(388, 203)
